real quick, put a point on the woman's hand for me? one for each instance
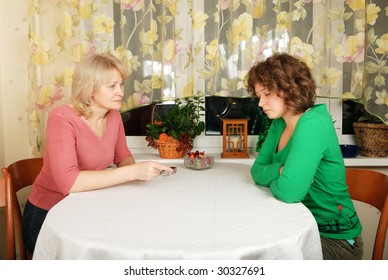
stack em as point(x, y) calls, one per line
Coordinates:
point(148, 170)
point(93, 180)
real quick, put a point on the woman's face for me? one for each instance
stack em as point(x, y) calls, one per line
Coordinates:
point(273, 105)
point(111, 92)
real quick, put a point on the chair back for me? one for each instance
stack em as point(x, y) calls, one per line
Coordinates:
point(7, 202)
point(371, 187)
point(17, 176)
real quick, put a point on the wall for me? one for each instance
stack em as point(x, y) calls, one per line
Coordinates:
point(13, 81)
point(13, 88)
point(2, 24)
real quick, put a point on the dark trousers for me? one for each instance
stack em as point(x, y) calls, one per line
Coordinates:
point(338, 249)
point(33, 218)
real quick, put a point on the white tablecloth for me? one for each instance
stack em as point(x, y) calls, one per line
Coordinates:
point(218, 213)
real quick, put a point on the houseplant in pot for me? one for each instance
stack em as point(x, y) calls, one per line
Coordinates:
point(173, 134)
point(372, 134)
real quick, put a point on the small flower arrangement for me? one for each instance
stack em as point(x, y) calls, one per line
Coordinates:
point(182, 124)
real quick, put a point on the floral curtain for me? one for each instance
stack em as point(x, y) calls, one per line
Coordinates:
point(177, 48)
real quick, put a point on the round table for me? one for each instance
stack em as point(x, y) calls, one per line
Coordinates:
point(218, 213)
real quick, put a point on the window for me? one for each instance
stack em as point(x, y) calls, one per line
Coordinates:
point(351, 112)
point(216, 106)
point(135, 120)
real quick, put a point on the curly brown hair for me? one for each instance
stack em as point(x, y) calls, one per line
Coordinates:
point(285, 73)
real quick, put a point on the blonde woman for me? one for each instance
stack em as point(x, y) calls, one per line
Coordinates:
point(83, 138)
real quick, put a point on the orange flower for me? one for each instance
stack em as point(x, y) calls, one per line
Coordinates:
point(163, 137)
point(159, 123)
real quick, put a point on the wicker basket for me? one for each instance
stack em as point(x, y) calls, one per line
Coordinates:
point(373, 138)
point(169, 149)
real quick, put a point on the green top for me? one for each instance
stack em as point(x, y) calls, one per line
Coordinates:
point(313, 173)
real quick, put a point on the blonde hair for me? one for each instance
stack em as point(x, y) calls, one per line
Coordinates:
point(88, 77)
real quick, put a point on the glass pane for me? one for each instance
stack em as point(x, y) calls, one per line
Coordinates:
point(217, 105)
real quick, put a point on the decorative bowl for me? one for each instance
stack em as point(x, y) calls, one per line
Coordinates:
point(199, 163)
point(349, 151)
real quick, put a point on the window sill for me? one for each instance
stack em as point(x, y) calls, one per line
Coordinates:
point(358, 161)
point(366, 161)
point(213, 145)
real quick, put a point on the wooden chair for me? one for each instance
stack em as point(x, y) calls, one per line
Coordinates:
point(7, 202)
point(17, 176)
point(371, 187)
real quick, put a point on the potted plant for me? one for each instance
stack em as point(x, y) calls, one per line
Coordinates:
point(265, 125)
point(173, 134)
point(372, 134)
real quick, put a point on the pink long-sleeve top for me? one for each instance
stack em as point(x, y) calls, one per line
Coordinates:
point(71, 147)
